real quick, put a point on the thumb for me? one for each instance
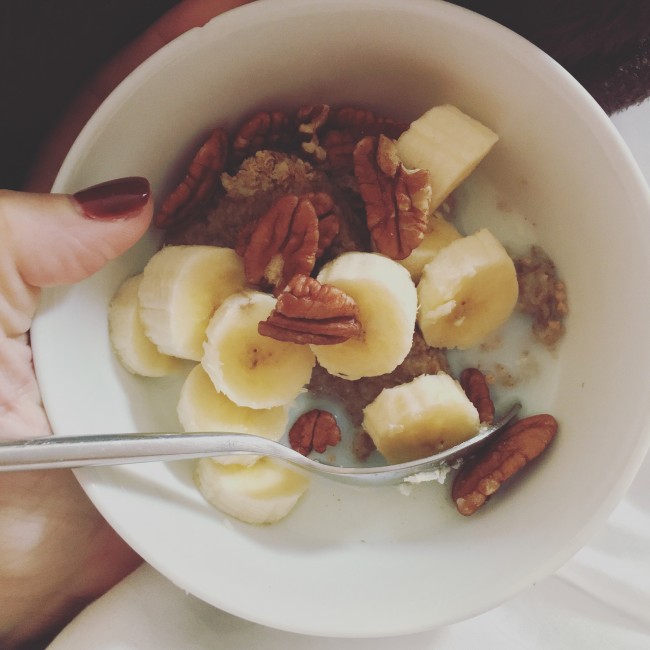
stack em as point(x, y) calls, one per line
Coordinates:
point(61, 239)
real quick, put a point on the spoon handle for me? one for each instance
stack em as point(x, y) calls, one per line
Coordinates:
point(116, 449)
point(122, 448)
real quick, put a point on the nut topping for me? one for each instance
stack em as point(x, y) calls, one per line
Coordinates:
point(346, 126)
point(265, 130)
point(310, 120)
point(282, 244)
point(315, 430)
point(200, 184)
point(361, 122)
point(329, 222)
point(483, 474)
point(339, 145)
point(396, 199)
point(309, 312)
point(476, 388)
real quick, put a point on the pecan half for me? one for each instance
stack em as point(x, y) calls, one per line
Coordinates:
point(483, 474)
point(315, 430)
point(282, 244)
point(200, 184)
point(346, 126)
point(361, 122)
point(264, 130)
point(475, 385)
point(339, 145)
point(396, 199)
point(309, 312)
point(329, 221)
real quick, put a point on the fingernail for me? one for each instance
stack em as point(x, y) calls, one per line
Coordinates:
point(116, 199)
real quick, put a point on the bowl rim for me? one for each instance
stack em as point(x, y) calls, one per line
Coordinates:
point(257, 12)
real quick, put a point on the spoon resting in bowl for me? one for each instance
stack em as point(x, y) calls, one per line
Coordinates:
point(55, 452)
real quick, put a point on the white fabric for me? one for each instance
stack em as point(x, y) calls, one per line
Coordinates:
point(599, 600)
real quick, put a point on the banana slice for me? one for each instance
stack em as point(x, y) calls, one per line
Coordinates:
point(253, 370)
point(466, 292)
point(387, 302)
point(449, 144)
point(420, 418)
point(132, 347)
point(262, 493)
point(439, 233)
point(181, 288)
point(202, 408)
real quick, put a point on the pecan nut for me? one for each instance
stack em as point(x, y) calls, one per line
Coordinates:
point(310, 120)
point(361, 122)
point(200, 184)
point(329, 221)
point(339, 146)
point(483, 474)
point(396, 199)
point(315, 430)
point(264, 130)
point(283, 243)
point(309, 312)
point(475, 385)
point(346, 126)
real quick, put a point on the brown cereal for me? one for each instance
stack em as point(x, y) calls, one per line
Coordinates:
point(542, 295)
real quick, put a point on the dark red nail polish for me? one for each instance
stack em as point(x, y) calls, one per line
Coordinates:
point(116, 199)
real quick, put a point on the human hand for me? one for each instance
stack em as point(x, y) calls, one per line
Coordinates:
point(56, 552)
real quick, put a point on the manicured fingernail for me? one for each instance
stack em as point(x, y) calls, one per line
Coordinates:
point(116, 199)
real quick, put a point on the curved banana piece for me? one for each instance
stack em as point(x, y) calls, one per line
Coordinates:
point(439, 233)
point(128, 339)
point(387, 302)
point(181, 288)
point(251, 369)
point(466, 292)
point(201, 408)
point(262, 493)
point(447, 143)
point(420, 418)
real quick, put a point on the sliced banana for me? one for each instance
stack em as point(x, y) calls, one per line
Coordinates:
point(181, 288)
point(201, 408)
point(262, 493)
point(420, 418)
point(387, 302)
point(132, 347)
point(466, 292)
point(253, 370)
point(439, 233)
point(449, 144)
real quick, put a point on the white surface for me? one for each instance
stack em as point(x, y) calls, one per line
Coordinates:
point(407, 564)
point(599, 600)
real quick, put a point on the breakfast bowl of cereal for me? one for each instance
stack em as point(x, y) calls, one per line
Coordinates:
point(378, 225)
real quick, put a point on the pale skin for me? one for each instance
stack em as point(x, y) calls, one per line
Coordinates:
point(57, 554)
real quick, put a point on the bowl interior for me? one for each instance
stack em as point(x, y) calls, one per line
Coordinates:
point(379, 563)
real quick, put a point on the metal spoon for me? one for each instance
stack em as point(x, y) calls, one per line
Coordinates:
point(116, 449)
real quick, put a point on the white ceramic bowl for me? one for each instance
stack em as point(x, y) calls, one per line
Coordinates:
point(355, 562)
